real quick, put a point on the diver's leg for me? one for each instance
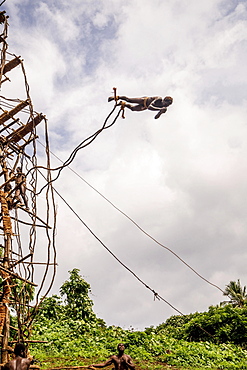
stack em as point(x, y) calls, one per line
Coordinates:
point(132, 100)
point(129, 100)
point(136, 108)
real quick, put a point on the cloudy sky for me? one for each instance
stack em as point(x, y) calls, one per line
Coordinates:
point(181, 178)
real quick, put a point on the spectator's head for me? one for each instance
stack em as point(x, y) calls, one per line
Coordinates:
point(121, 347)
point(20, 350)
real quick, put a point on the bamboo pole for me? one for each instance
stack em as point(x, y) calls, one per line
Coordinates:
point(11, 64)
point(7, 115)
point(22, 131)
point(17, 276)
point(4, 311)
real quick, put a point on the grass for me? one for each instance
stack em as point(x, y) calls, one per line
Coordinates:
point(58, 362)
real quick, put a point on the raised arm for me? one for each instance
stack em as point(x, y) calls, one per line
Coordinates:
point(103, 364)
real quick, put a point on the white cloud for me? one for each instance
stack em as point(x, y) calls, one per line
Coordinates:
point(181, 177)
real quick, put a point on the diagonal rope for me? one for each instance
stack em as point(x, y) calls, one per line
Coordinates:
point(82, 145)
point(138, 226)
point(156, 295)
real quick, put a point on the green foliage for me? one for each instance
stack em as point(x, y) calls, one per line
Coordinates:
point(21, 291)
point(51, 308)
point(78, 303)
point(21, 295)
point(75, 316)
point(236, 293)
point(79, 339)
point(225, 324)
point(99, 343)
point(175, 325)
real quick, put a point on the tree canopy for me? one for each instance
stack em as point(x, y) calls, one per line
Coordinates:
point(236, 293)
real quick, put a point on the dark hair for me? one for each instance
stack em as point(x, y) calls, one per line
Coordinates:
point(169, 99)
point(20, 348)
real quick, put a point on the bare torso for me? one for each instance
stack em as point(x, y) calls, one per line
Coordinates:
point(121, 362)
point(19, 363)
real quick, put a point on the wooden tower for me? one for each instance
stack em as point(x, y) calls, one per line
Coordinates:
point(23, 233)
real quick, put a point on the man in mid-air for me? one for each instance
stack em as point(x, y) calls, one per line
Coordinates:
point(120, 361)
point(155, 103)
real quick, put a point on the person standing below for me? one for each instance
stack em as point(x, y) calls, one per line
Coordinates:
point(21, 362)
point(120, 361)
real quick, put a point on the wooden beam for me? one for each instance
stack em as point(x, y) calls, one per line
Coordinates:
point(22, 259)
point(7, 115)
point(22, 131)
point(11, 64)
point(17, 276)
